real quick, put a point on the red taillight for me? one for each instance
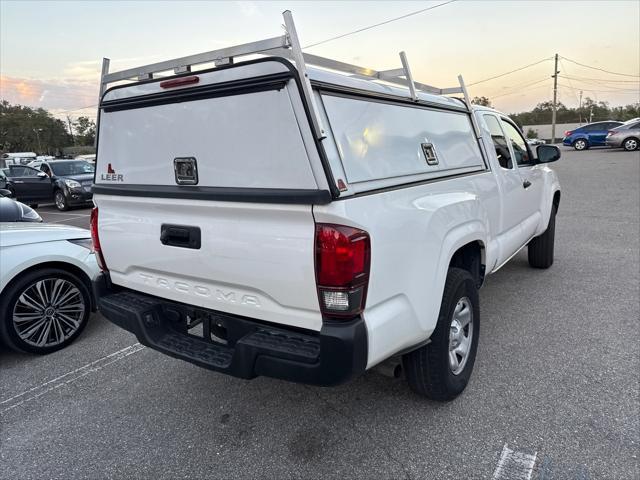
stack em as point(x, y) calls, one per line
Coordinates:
point(179, 82)
point(96, 240)
point(567, 133)
point(611, 132)
point(343, 258)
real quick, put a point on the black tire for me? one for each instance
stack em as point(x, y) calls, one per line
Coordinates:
point(540, 249)
point(427, 369)
point(10, 296)
point(630, 144)
point(580, 144)
point(60, 200)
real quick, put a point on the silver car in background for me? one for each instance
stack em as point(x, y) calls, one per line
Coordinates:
point(625, 136)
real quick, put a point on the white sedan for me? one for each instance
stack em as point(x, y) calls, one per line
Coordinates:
point(45, 285)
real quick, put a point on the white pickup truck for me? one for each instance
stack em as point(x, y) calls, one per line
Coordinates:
point(263, 218)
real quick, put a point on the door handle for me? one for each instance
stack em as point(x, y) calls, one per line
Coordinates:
point(526, 184)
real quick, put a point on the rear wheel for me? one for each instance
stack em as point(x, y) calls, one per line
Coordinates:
point(61, 201)
point(580, 144)
point(44, 311)
point(540, 249)
point(441, 369)
point(630, 144)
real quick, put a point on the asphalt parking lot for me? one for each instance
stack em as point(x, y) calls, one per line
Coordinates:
point(556, 381)
point(78, 217)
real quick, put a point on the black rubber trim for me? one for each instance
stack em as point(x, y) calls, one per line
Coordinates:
point(276, 81)
point(251, 195)
point(333, 188)
point(415, 184)
point(330, 357)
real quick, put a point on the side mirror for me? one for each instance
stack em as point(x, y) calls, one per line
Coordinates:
point(4, 192)
point(42, 174)
point(547, 153)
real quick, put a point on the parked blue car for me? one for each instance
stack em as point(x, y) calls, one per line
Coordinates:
point(590, 135)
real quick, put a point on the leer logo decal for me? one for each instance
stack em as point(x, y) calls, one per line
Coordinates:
point(111, 175)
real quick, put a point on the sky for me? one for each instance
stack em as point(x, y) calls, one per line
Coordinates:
point(50, 52)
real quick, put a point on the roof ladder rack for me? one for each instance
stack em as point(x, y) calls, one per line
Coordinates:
point(287, 46)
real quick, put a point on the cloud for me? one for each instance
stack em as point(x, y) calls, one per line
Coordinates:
point(54, 95)
point(248, 8)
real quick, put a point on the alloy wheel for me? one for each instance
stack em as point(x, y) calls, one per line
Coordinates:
point(48, 312)
point(60, 202)
point(630, 144)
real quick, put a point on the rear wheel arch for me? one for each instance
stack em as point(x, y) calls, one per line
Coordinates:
point(472, 258)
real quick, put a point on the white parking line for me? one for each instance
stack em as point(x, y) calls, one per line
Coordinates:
point(65, 213)
point(69, 219)
point(67, 378)
point(514, 465)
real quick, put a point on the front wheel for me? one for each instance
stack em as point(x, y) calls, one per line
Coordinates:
point(630, 144)
point(540, 249)
point(44, 311)
point(61, 201)
point(580, 144)
point(441, 369)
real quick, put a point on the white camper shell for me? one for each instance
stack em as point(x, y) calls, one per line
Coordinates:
point(273, 218)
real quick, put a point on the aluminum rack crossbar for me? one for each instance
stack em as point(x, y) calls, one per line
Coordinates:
point(287, 46)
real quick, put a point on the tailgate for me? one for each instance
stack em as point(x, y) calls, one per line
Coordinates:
point(230, 161)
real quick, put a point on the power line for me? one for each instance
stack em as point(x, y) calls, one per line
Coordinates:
point(611, 87)
point(379, 24)
point(523, 86)
point(569, 80)
point(601, 69)
point(509, 73)
point(77, 109)
point(606, 80)
point(622, 91)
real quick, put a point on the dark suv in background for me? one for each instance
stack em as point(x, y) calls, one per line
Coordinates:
point(67, 183)
point(590, 135)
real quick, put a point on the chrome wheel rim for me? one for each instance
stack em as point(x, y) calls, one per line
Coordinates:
point(630, 144)
point(580, 144)
point(48, 312)
point(460, 335)
point(59, 200)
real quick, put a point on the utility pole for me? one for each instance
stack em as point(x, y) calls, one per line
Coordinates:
point(70, 129)
point(555, 100)
point(37, 131)
point(580, 108)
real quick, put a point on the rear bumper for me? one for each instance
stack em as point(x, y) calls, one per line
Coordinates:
point(613, 142)
point(253, 348)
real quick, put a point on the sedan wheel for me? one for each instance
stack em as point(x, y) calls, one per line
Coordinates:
point(580, 144)
point(630, 144)
point(45, 311)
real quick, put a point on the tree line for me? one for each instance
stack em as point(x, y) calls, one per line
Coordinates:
point(25, 129)
point(591, 111)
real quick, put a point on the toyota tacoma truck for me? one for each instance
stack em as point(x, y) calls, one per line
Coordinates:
point(304, 219)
